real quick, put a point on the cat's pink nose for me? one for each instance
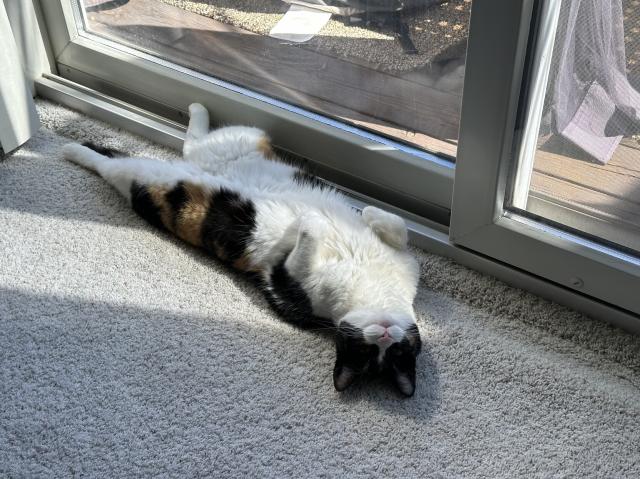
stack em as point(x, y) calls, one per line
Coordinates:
point(385, 335)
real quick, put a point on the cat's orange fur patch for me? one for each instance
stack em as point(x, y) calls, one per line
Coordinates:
point(187, 223)
point(244, 264)
point(193, 213)
point(158, 195)
point(264, 147)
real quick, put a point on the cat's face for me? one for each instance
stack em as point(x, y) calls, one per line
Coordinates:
point(367, 342)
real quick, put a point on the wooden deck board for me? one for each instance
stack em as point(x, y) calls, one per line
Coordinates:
point(400, 108)
point(609, 194)
point(586, 199)
point(610, 180)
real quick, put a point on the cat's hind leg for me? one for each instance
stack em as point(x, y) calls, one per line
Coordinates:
point(102, 163)
point(198, 128)
point(176, 196)
point(158, 191)
point(214, 151)
point(126, 174)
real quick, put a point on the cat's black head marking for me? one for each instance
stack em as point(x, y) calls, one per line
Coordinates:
point(355, 356)
point(400, 361)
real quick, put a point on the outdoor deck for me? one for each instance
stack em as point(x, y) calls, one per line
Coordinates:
point(405, 107)
point(604, 199)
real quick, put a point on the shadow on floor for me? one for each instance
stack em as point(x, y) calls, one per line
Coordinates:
point(90, 343)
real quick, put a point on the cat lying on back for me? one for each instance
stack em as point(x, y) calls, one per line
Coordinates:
point(316, 256)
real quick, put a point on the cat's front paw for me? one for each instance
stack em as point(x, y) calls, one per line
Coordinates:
point(314, 225)
point(390, 228)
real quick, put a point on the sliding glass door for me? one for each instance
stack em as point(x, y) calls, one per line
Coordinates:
point(393, 68)
point(582, 167)
point(511, 125)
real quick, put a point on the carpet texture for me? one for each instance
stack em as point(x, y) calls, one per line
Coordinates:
point(125, 353)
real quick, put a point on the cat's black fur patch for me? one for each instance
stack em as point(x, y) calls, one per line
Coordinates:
point(413, 338)
point(354, 357)
point(400, 361)
point(352, 349)
point(108, 152)
point(229, 224)
point(305, 178)
point(177, 198)
point(287, 298)
point(143, 204)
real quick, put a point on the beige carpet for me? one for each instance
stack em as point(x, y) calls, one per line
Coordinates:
point(125, 353)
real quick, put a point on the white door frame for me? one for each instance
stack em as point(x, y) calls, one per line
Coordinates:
point(18, 118)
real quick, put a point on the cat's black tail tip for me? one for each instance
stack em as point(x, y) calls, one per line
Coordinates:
point(108, 152)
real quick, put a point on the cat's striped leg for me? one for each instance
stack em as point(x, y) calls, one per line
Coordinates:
point(214, 151)
point(166, 195)
point(174, 197)
point(124, 172)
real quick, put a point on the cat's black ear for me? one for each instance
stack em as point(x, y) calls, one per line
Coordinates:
point(405, 380)
point(404, 376)
point(342, 376)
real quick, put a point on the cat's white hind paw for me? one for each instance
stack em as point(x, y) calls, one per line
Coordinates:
point(196, 109)
point(197, 129)
point(74, 152)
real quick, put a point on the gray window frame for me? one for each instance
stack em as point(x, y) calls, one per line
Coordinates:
point(492, 128)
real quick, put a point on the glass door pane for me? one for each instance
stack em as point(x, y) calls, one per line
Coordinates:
point(389, 66)
point(508, 112)
point(584, 167)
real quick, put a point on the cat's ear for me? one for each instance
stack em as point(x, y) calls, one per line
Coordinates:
point(390, 228)
point(405, 380)
point(343, 376)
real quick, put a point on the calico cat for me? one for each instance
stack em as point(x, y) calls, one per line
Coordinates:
point(315, 256)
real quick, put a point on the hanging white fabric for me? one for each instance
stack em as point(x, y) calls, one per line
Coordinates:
point(18, 117)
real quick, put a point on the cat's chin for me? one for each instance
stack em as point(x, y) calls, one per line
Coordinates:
point(376, 324)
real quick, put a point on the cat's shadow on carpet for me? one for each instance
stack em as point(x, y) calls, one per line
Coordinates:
point(378, 389)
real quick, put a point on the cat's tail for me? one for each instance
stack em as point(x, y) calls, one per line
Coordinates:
point(104, 151)
point(88, 154)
